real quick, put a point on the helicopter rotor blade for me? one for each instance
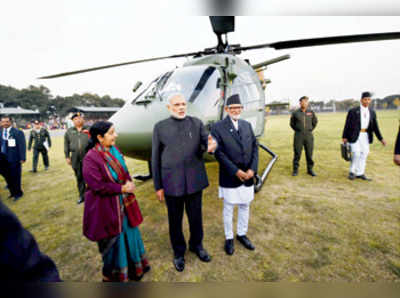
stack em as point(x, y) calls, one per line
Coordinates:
point(298, 43)
point(118, 64)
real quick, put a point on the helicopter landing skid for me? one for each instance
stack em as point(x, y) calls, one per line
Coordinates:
point(260, 180)
point(145, 177)
point(142, 177)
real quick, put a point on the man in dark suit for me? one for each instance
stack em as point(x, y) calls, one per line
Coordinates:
point(396, 157)
point(237, 154)
point(20, 257)
point(361, 123)
point(13, 147)
point(179, 175)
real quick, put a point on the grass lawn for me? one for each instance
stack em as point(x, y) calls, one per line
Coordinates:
point(325, 228)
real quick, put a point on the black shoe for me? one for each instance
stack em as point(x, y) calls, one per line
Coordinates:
point(311, 173)
point(32, 171)
point(295, 173)
point(229, 249)
point(363, 177)
point(245, 241)
point(351, 176)
point(46, 168)
point(80, 200)
point(16, 198)
point(202, 254)
point(179, 263)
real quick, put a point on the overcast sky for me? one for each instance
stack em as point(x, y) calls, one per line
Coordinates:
point(45, 37)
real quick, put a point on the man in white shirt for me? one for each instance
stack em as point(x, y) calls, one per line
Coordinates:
point(361, 123)
point(237, 154)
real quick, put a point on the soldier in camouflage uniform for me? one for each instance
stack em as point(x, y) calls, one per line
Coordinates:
point(303, 122)
point(76, 140)
point(41, 141)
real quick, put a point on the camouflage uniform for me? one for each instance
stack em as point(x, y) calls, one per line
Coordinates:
point(75, 143)
point(38, 138)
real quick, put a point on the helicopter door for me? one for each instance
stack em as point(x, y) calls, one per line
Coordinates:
point(246, 84)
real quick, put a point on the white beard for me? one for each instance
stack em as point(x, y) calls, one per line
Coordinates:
point(177, 116)
point(235, 117)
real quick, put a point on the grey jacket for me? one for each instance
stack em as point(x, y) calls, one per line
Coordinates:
point(177, 156)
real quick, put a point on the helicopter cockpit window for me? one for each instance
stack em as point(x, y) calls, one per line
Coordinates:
point(152, 90)
point(198, 84)
point(147, 95)
point(246, 88)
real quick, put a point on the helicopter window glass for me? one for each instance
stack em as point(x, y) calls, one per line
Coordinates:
point(198, 84)
point(147, 94)
point(246, 88)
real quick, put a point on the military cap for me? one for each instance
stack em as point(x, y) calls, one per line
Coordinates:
point(77, 114)
point(233, 100)
point(366, 94)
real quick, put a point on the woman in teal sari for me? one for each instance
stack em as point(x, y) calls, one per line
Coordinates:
point(112, 214)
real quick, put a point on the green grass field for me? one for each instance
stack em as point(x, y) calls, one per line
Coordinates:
point(325, 228)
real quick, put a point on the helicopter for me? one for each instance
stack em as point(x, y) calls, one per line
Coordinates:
point(206, 81)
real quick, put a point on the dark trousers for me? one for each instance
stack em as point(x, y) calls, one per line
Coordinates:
point(79, 179)
point(14, 184)
point(301, 140)
point(5, 170)
point(36, 158)
point(175, 206)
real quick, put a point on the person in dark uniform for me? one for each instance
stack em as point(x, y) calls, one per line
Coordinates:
point(20, 257)
point(396, 157)
point(237, 154)
point(179, 175)
point(13, 149)
point(303, 122)
point(40, 138)
point(361, 123)
point(76, 140)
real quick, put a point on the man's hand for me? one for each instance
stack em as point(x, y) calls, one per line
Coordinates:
point(212, 144)
point(383, 142)
point(68, 160)
point(396, 159)
point(241, 175)
point(22, 161)
point(250, 174)
point(344, 141)
point(160, 195)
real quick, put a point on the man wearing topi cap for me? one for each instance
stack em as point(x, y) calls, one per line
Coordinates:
point(237, 154)
point(361, 123)
point(76, 140)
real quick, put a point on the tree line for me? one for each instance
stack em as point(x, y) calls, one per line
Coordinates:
point(40, 98)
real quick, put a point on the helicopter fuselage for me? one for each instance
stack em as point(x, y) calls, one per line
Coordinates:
point(205, 82)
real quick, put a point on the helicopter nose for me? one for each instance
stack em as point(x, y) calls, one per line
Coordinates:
point(134, 125)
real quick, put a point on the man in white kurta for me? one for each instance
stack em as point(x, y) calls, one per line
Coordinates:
point(361, 123)
point(237, 154)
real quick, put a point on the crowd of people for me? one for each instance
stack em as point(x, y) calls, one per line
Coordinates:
point(111, 211)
